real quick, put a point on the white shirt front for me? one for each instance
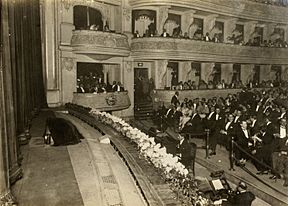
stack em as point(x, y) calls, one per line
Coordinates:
point(227, 125)
point(246, 133)
point(282, 132)
point(210, 115)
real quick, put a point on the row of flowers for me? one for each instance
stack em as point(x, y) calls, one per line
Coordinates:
point(170, 166)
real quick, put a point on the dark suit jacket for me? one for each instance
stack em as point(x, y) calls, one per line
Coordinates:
point(255, 129)
point(194, 125)
point(242, 199)
point(174, 100)
point(188, 153)
point(241, 139)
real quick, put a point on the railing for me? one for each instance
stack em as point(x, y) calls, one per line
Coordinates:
point(176, 48)
point(106, 44)
point(110, 101)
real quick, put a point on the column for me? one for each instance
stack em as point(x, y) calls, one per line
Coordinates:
point(268, 30)
point(185, 71)
point(207, 71)
point(284, 72)
point(126, 18)
point(162, 16)
point(227, 73)
point(265, 73)
point(187, 20)
point(67, 26)
point(246, 73)
point(50, 32)
point(209, 22)
point(69, 77)
point(229, 26)
point(249, 28)
point(6, 197)
point(161, 74)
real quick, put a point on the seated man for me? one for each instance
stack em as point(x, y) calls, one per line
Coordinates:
point(194, 125)
point(242, 196)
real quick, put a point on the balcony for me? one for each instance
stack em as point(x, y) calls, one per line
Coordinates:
point(235, 8)
point(112, 101)
point(157, 48)
point(100, 45)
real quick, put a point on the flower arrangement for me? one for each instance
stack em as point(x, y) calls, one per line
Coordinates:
point(174, 172)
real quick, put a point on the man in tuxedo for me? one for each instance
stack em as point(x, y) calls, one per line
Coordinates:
point(194, 125)
point(243, 140)
point(175, 98)
point(81, 89)
point(264, 152)
point(282, 113)
point(170, 115)
point(280, 162)
point(254, 126)
point(186, 152)
point(214, 119)
point(222, 134)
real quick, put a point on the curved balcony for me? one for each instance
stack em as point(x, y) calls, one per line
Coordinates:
point(111, 101)
point(171, 48)
point(100, 45)
point(234, 8)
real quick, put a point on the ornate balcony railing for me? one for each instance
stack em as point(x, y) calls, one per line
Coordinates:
point(235, 8)
point(177, 49)
point(101, 45)
point(111, 101)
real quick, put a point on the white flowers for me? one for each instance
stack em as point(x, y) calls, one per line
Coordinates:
point(147, 146)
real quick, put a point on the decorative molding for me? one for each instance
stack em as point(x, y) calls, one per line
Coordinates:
point(128, 66)
point(68, 63)
point(100, 43)
point(127, 13)
point(192, 50)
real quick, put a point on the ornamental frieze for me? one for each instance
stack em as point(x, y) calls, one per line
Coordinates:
point(201, 50)
point(98, 38)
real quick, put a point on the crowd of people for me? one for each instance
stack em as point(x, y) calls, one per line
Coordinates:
point(216, 38)
point(235, 84)
point(94, 83)
point(255, 119)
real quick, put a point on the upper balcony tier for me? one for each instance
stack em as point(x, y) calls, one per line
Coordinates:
point(244, 9)
point(100, 45)
point(188, 49)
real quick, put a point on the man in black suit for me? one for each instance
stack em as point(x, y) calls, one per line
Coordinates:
point(175, 99)
point(264, 152)
point(187, 152)
point(243, 140)
point(254, 126)
point(194, 125)
point(214, 120)
point(222, 134)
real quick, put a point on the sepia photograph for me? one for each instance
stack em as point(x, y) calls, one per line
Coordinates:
point(144, 103)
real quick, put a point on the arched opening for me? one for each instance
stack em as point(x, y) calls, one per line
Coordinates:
point(87, 18)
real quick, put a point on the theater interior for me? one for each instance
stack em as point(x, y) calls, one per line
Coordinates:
point(143, 102)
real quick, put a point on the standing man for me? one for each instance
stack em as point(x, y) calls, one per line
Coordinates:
point(175, 99)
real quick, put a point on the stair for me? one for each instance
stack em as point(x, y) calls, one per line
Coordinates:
point(143, 110)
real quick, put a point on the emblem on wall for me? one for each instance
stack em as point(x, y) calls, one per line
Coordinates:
point(111, 100)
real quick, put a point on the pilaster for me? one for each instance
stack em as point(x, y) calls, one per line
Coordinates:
point(227, 72)
point(161, 74)
point(209, 22)
point(187, 20)
point(246, 74)
point(207, 71)
point(249, 28)
point(229, 26)
point(162, 16)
